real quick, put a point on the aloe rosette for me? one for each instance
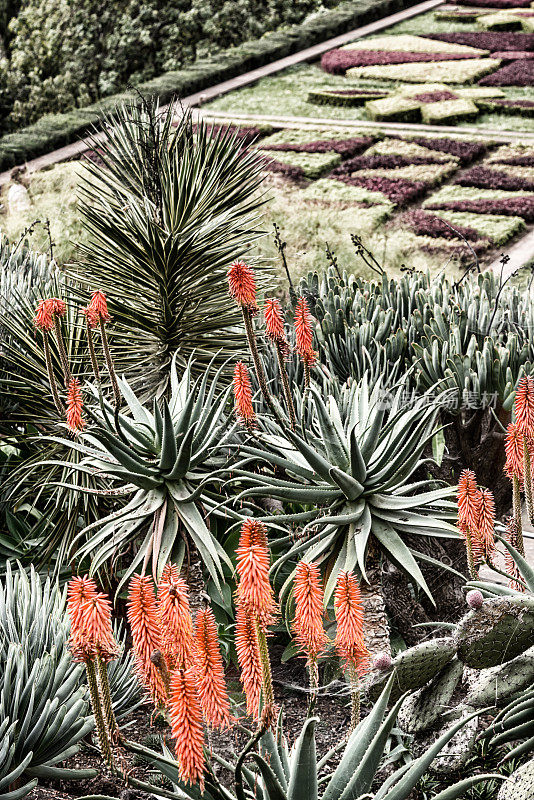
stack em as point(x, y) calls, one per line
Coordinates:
point(351, 469)
point(165, 458)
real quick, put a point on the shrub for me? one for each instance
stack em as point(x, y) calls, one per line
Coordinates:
point(414, 148)
point(413, 44)
point(489, 41)
point(434, 97)
point(329, 190)
point(427, 173)
point(425, 224)
point(485, 178)
point(310, 164)
point(465, 151)
point(515, 207)
point(518, 73)
point(397, 107)
point(381, 162)
point(448, 112)
point(513, 55)
point(347, 97)
point(524, 108)
point(398, 191)
point(337, 62)
point(345, 147)
point(494, 227)
point(495, 3)
point(466, 71)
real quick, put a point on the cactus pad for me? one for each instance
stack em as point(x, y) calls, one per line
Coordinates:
point(413, 668)
point(498, 632)
point(454, 755)
point(498, 684)
point(423, 708)
point(520, 785)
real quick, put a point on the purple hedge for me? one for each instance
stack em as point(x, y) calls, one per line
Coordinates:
point(518, 73)
point(491, 40)
point(484, 178)
point(424, 224)
point(379, 162)
point(336, 62)
point(465, 151)
point(297, 173)
point(518, 161)
point(345, 147)
point(398, 191)
point(494, 3)
point(512, 55)
point(510, 207)
point(435, 97)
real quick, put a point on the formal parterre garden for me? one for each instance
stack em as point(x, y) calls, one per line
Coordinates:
point(266, 532)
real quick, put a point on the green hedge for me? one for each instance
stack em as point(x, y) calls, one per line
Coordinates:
point(56, 130)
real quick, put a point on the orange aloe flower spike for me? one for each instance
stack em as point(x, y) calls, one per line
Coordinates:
point(514, 452)
point(304, 332)
point(349, 641)
point(274, 324)
point(309, 612)
point(243, 395)
point(186, 726)
point(75, 420)
point(486, 523)
point(79, 589)
point(209, 670)
point(175, 621)
point(97, 310)
point(249, 660)
point(97, 628)
point(524, 407)
point(144, 625)
point(468, 500)
point(254, 590)
point(242, 285)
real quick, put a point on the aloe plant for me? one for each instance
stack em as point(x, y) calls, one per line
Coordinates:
point(277, 772)
point(165, 458)
point(351, 470)
point(44, 708)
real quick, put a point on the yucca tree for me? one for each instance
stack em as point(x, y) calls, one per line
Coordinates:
point(352, 468)
point(168, 460)
point(171, 206)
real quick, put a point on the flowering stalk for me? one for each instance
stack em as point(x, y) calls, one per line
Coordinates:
point(518, 520)
point(107, 703)
point(44, 321)
point(243, 396)
point(209, 668)
point(242, 287)
point(143, 619)
point(75, 420)
point(469, 503)
point(274, 330)
point(175, 621)
point(186, 726)
point(304, 338)
point(100, 722)
point(97, 314)
point(256, 608)
point(512, 569)
point(486, 524)
point(524, 415)
point(61, 349)
point(308, 623)
point(349, 641)
point(90, 323)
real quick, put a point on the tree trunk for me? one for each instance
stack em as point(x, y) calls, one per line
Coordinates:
point(376, 625)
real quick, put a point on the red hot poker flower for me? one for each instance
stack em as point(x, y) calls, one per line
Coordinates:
point(78, 591)
point(46, 311)
point(514, 452)
point(97, 309)
point(304, 333)
point(524, 407)
point(176, 624)
point(186, 726)
point(349, 641)
point(75, 420)
point(243, 395)
point(248, 658)
point(308, 624)
point(97, 629)
point(144, 624)
point(274, 321)
point(468, 501)
point(254, 590)
point(242, 285)
point(209, 670)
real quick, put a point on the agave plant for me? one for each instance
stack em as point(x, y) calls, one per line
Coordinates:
point(44, 709)
point(171, 206)
point(279, 773)
point(351, 470)
point(165, 458)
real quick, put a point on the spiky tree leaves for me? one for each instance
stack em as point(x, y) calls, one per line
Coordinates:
point(173, 204)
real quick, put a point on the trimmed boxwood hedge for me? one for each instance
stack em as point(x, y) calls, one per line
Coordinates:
point(56, 130)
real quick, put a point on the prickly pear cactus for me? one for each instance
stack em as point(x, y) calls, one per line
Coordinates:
point(500, 630)
point(413, 668)
point(520, 785)
point(496, 685)
point(454, 755)
point(423, 708)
